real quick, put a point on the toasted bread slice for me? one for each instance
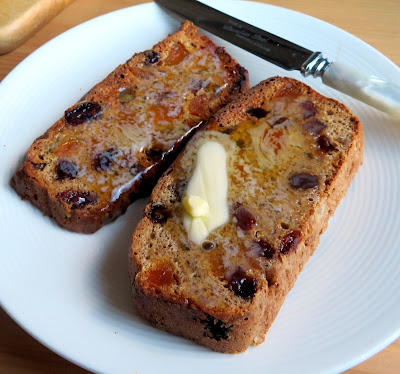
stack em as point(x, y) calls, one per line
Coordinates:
point(291, 155)
point(111, 146)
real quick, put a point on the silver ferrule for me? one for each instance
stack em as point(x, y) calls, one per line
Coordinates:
point(315, 65)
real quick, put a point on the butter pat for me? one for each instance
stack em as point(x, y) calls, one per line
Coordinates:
point(197, 230)
point(196, 206)
point(206, 202)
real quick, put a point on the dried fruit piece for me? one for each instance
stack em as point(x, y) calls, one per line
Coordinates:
point(84, 112)
point(243, 284)
point(160, 274)
point(154, 153)
point(309, 110)
point(198, 106)
point(304, 181)
point(66, 169)
point(69, 147)
point(290, 242)
point(126, 95)
point(264, 248)
point(152, 57)
point(314, 126)
point(158, 213)
point(104, 160)
point(245, 220)
point(176, 54)
point(257, 112)
point(141, 73)
point(325, 145)
point(207, 245)
point(217, 328)
point(77, 198)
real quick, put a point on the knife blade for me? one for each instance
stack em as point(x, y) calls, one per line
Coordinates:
point(362, 86)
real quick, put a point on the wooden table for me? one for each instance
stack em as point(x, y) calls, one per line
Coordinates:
point(374, 21)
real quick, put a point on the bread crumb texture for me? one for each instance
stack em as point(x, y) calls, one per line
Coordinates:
point(111, 146)
point(291, 155)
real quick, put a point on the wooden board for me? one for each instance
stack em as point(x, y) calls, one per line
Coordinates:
point(20, 19)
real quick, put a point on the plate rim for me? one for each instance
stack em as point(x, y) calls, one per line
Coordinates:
point(65, 34)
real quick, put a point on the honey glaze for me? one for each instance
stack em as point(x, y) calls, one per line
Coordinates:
point(129, 180)
point(276, 170)
point(137, 120)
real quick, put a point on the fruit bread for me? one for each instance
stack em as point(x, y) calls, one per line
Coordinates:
point(112, 145)
point(233, 221)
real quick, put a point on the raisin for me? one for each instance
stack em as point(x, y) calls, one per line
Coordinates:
point(158, 213)
point(104, 160)
point(66, 169)
point(290, 242)
point(314, 126)
point(207, 245)
point(77, 198)
point(217, 328)
point(152, 57)
point(325, 145)
point(245, 220)
point(264, 248)
point(257, 112)
point(242, 284)
point(154, 153)
point(304, 181)
point(84, 112)
point(309, 110)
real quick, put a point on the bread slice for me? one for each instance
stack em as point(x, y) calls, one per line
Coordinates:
point(291, 155)
point(112, 145)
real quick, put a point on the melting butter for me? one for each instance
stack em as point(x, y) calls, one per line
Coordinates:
point(196, 206)
point(206, 202)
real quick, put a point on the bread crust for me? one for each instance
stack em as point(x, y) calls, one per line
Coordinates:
point(244, 323)
point(42, 188)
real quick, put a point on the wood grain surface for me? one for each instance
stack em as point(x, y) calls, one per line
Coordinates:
point(375, 22)
point(20, 19)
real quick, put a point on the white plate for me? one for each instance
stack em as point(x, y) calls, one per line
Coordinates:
point(72, 292)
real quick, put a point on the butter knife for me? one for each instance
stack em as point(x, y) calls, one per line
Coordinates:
point(362, 86)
